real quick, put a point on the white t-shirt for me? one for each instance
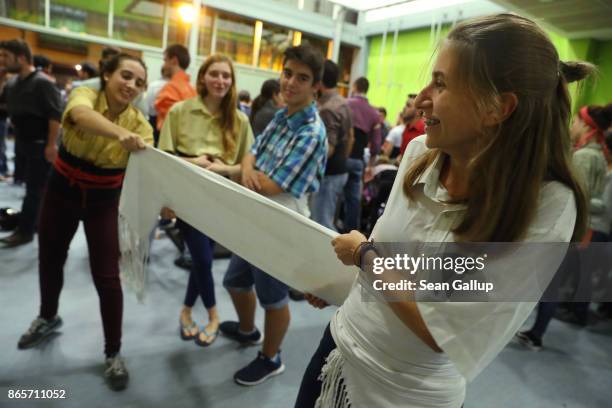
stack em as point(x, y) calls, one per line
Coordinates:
point(384, 364)
point(395, 135)
point(152, 92)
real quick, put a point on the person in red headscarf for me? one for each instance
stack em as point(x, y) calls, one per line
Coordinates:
point(590, 161)
point(590, 124)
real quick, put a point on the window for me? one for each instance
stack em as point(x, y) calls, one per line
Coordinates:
point(178, 31)
point(345, 62)
point(140, 22)
point(207, 21)
point(316, 43)
point(28, 11)
point(274, 41)
point(235, 38)
point(86, 17)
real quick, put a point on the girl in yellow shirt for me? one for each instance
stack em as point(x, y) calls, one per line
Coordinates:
point(208, 131)
point(101, 128)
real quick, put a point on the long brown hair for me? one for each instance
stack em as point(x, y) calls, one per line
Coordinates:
point(508, 53)
point(228, 119)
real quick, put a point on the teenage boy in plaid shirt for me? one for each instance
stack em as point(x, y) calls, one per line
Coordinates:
point(286, 162)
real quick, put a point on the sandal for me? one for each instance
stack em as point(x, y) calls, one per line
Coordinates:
point(211, 337)
point(186, 331)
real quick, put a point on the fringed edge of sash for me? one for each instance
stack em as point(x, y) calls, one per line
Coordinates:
point(333, 390)
point(133, 259)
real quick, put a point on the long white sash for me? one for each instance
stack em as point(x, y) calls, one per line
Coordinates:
point(281, 242)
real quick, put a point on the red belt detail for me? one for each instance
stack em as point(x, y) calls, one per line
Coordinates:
point(86, 180)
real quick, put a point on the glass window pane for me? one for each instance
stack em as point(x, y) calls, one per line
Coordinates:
point(141, 22)
point(316, 43)
point(28, 11)
point(89, 17)
point(345, 64)
point(178, 31)
point(235, 38)
point(274, 41)
point(206, 29)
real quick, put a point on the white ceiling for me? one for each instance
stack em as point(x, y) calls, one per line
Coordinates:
point(363, 5)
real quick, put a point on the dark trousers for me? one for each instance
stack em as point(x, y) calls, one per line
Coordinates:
point(200, 277)
point(153, 123)
point(310, 389)
point(352, 194)
point(35, 173)
point(3, 162)
point(546, 310)
point(60, 215)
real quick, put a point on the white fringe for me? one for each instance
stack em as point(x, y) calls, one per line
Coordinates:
point(333, 391)
point(132, 262)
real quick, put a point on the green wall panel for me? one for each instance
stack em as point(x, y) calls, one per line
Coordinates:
point(392, 77)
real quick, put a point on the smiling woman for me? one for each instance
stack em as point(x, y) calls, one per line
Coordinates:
point(493, 167)
point(210, 132)
point(101, 128)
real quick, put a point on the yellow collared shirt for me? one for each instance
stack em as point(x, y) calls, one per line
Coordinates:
point(190, 130)
point(99, 150)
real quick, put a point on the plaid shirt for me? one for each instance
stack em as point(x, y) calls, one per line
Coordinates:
point(292, 150)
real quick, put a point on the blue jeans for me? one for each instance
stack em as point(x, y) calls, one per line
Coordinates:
point(241, 276)
point(200, 277)
point(352, 194)
point(3, 163)
point(325, 200)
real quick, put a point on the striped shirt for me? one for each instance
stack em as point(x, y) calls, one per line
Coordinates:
point(292, 151)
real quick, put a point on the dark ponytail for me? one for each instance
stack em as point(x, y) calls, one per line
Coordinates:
point(575, 70)
point(269, 88)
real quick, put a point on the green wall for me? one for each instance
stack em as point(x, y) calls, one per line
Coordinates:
point(600, 92)
point(393, 77)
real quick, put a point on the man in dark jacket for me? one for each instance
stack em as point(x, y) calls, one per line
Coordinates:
point(34, 107)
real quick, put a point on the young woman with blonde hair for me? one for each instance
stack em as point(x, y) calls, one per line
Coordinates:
point(208, 131)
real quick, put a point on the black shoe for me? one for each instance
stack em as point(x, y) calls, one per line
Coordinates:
point(9, 219)
point(183, 262)
point(17, 238)
point(528, 340)
point(259, 370)
point(38, 331)
point(230, 329)
point(296, 295)
point(116, 373)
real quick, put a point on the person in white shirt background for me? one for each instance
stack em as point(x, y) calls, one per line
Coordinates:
point(152, 92)
point(494, 166)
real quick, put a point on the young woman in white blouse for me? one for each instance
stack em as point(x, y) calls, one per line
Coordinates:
point(493, 167)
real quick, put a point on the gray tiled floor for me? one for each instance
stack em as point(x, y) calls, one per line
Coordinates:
point(575, 370)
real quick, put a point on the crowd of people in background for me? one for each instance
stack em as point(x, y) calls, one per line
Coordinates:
point(300, 142)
